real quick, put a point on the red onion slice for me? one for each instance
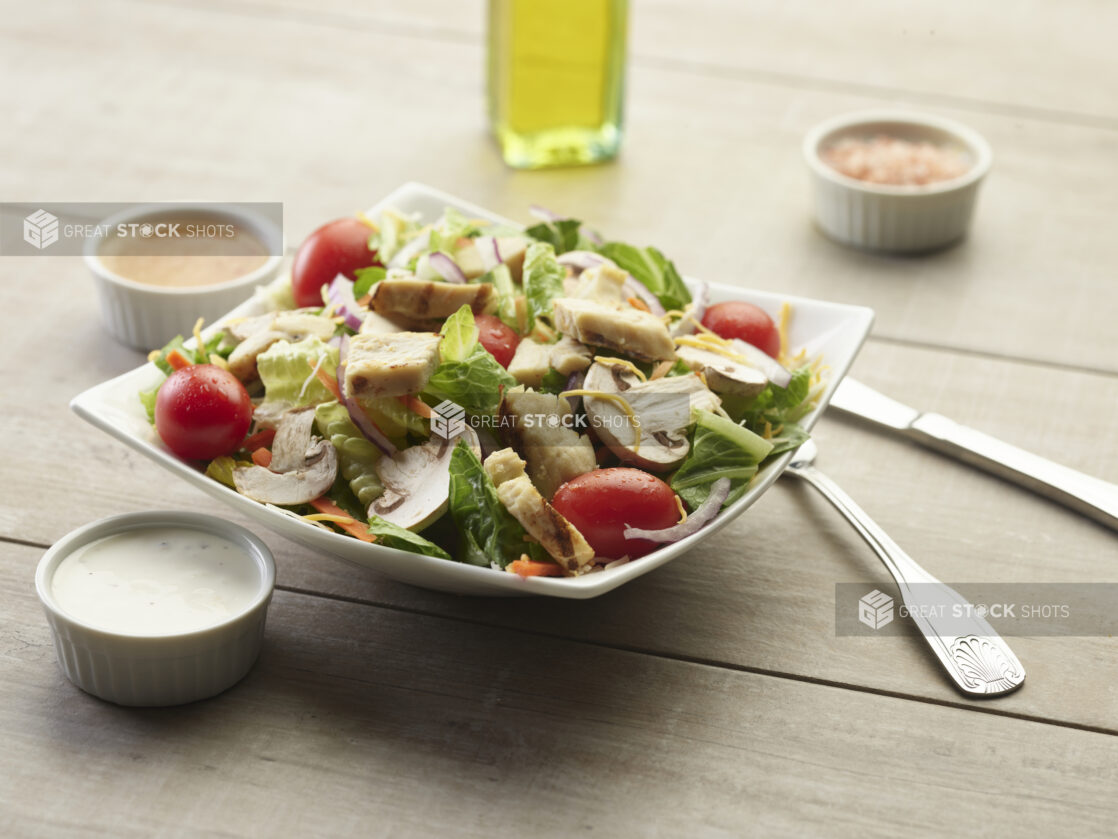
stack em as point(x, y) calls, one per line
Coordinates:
point(446, 267)
point(412, 249)
point(719, 491)
point(365, 425)
point(544, 214)
point(340, 293)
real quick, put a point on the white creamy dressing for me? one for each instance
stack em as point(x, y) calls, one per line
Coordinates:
point(157, 581)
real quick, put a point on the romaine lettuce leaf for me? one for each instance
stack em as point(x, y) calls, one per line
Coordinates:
point(563, 235)
point(393, 536)
point(720, 448)
point(506, 294)
point(366, 279)
point(542, 280)
point(774, 405)
point(459, 335)
point(287, 371)
point(468, 374)
point(653, 269)
point(487, 531)
point(357, 457)
point(448, 230)
point(396, 230)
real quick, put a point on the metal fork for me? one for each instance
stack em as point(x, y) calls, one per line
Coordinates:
point(974, 655)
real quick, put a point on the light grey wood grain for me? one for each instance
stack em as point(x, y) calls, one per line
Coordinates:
point(926, 50)
point(364, 721)
point(760, 594)
point(710, 172)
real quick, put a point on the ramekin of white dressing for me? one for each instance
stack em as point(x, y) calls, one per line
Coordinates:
point(156, 608)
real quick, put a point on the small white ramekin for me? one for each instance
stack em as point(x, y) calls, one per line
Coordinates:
point(155, 670)
point(147, 317)
point(883, 217)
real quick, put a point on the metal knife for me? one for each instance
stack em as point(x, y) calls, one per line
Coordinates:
point(1091, 496)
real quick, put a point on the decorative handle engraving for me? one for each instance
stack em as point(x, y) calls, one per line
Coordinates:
point(983, 666)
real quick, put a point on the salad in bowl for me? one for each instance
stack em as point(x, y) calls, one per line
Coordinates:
point(531, 400)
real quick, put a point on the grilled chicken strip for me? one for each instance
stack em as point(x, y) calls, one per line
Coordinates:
point(543, 522)
point(390, 365)
point(539, 427)
point(617, 326)
point(422, 300)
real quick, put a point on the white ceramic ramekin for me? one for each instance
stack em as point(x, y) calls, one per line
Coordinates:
point(152, 670)
point(883, 217)
point(147, 316)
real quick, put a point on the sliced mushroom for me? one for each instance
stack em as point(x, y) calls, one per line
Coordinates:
point(723, 374)
point(417, 482)
point(301, 469)
point(662, 409)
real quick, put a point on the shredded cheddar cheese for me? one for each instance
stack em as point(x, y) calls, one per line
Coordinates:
point(198, 342)
point(682, 509)
point(610, 361)
point(330, 517)
point(368, 222)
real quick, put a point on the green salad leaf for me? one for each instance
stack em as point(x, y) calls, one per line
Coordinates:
point(367, 278)
point(393, 536)
point(448, 230)
point(542, 280)
point(488, 533)
point(357, 457)
point(287, 371)
point(774, 405)
point(501, 278)
point(459, 335)
point(720, 448)
point(653, 269)
point(396, 230)
point(468, 375)
point(563, 235)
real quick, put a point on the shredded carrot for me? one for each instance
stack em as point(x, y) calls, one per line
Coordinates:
point(177, 360)
point(637, 303)
point(416, 404)
point(661, 370)
point(262, 457)
point(261, 439)
point(355, 528)
point(329, 382)
point(364, 300)
point(525, 567)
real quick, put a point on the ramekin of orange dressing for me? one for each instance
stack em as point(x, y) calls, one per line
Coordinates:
point(161, 267)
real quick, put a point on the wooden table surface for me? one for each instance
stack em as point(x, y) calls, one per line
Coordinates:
point(711, 697)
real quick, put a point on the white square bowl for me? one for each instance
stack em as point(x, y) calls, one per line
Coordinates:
point(834, 330)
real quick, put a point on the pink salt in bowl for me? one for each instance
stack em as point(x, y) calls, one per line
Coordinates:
point(895, 181)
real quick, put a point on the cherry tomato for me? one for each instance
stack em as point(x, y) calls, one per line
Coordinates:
point(497, 337)
point(738, 319)
point(202, 412)
point(340, 247)
point(602, 502)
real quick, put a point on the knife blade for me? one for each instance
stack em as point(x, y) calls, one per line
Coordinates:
point(1085, 494)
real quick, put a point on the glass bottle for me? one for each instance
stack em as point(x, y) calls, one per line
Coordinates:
point(557, 79)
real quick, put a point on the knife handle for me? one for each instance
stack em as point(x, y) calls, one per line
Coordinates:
point(1090, 496)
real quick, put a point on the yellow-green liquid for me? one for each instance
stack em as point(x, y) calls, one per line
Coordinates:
point(556, 79)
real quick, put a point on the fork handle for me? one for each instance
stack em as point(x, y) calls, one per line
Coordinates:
point(976, 658)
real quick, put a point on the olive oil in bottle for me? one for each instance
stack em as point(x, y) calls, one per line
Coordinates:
point(556, 79)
